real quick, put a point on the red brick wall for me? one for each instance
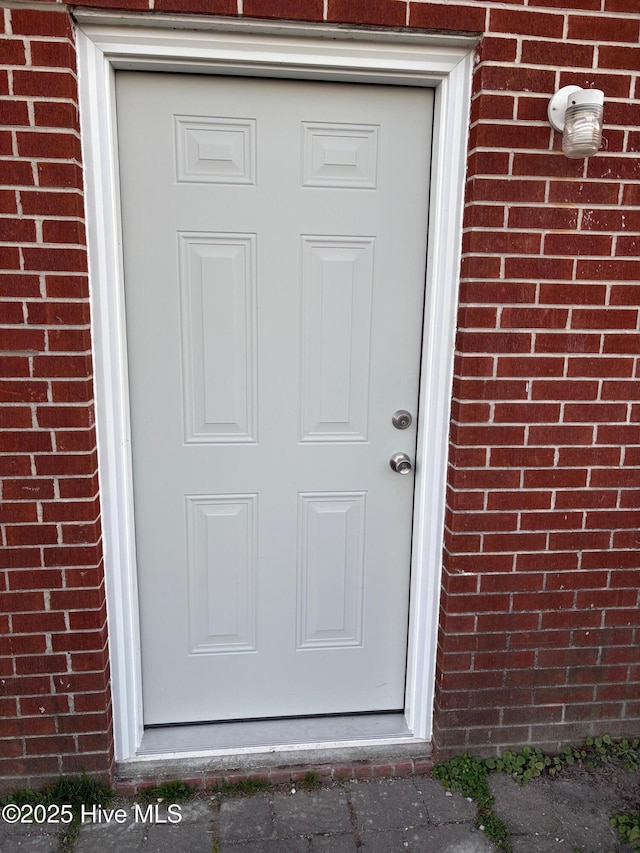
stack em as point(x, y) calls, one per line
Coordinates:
point(538, 636)
point(54, 695)
point(539, 629)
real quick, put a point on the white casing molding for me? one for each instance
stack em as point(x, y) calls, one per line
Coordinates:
point(107, 43)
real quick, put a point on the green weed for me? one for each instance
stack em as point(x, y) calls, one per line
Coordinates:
point(76, 791)
point(627, 825)
point(310, 781)
point(171, 792)
point(246, 786)
point(467, 774)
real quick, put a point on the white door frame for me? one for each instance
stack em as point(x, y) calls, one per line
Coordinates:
point(107, 42)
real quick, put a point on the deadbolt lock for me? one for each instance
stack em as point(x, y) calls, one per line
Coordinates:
point(402, 419)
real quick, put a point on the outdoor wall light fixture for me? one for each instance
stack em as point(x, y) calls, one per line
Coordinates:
point(577, 114)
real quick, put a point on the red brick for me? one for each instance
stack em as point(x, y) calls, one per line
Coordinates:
point(62, 365)
point(622, 344)
point(45, 84)
point(559, 342)
point(23, 391)
point(605, 599)
point(625, 294)
point(614, 477)
point(8, 200)
point(589, 192)
point(14, 366)
point(624, 168)
point(550, 520)
point(586, 499)
point(534, 366)
point(563, 390)
point(512, 582)
point(484, 216)
point(14, 113)
point(497, 48)
point(70, 510)
point(75, 441)
point(519, 500)
point(501, 242)
point(15, 417)
point(511, 136)
point(533, 318)
point(488, 163)
point(607, 318)
point(72, 556)
point(526, 412)
point(31, 534)
point(78, 487)
point(63, 231)
point(480, 267)
point(500, 292)
point(16, 173)
point(57, 174)
point(17, 231)
point(470, 412)
point(53, 54)
point(29, 623)
point(204, 7)
point(52, 203)
point(577, 244)
point(543, 478)
point(618, 57)
point(611, 559)
point(527, 22)
point(66, 286)
point(39, 23)
point(32, 579)
point(631, 194)
point(631, 498)
point(72, 391)
point(608, 29)
point(538, 268)
point(431, 16)
point(596, 456)
point(11, 53)
point(595, 412)
point(76, 599)
point(620, 391)
point(388, 13)
point(490, 389)
point(493, 106)
point(601, 367)
point(489, 435)
point(497, 342)
point(543, 217)
point(73, 260)
point(14, 466)
point(26, 441)
point(553, 164)
point(36, 143)
point(559, 53)
point(494, 189)
point(513, 542)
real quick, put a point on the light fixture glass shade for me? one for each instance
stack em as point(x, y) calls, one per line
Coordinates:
point(582, 134)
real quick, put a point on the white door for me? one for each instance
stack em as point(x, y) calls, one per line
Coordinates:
point(274, 247)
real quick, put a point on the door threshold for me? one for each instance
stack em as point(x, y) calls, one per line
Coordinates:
point(275, 736)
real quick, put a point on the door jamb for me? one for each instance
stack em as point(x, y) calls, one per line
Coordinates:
point(108, 42)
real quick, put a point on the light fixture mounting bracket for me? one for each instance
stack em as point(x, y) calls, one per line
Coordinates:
point(558, 106)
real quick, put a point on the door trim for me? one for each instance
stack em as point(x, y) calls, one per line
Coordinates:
point(107, 43)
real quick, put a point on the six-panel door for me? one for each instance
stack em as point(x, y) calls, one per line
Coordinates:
point(275, 245)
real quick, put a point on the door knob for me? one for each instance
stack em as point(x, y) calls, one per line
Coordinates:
point(400, 463)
